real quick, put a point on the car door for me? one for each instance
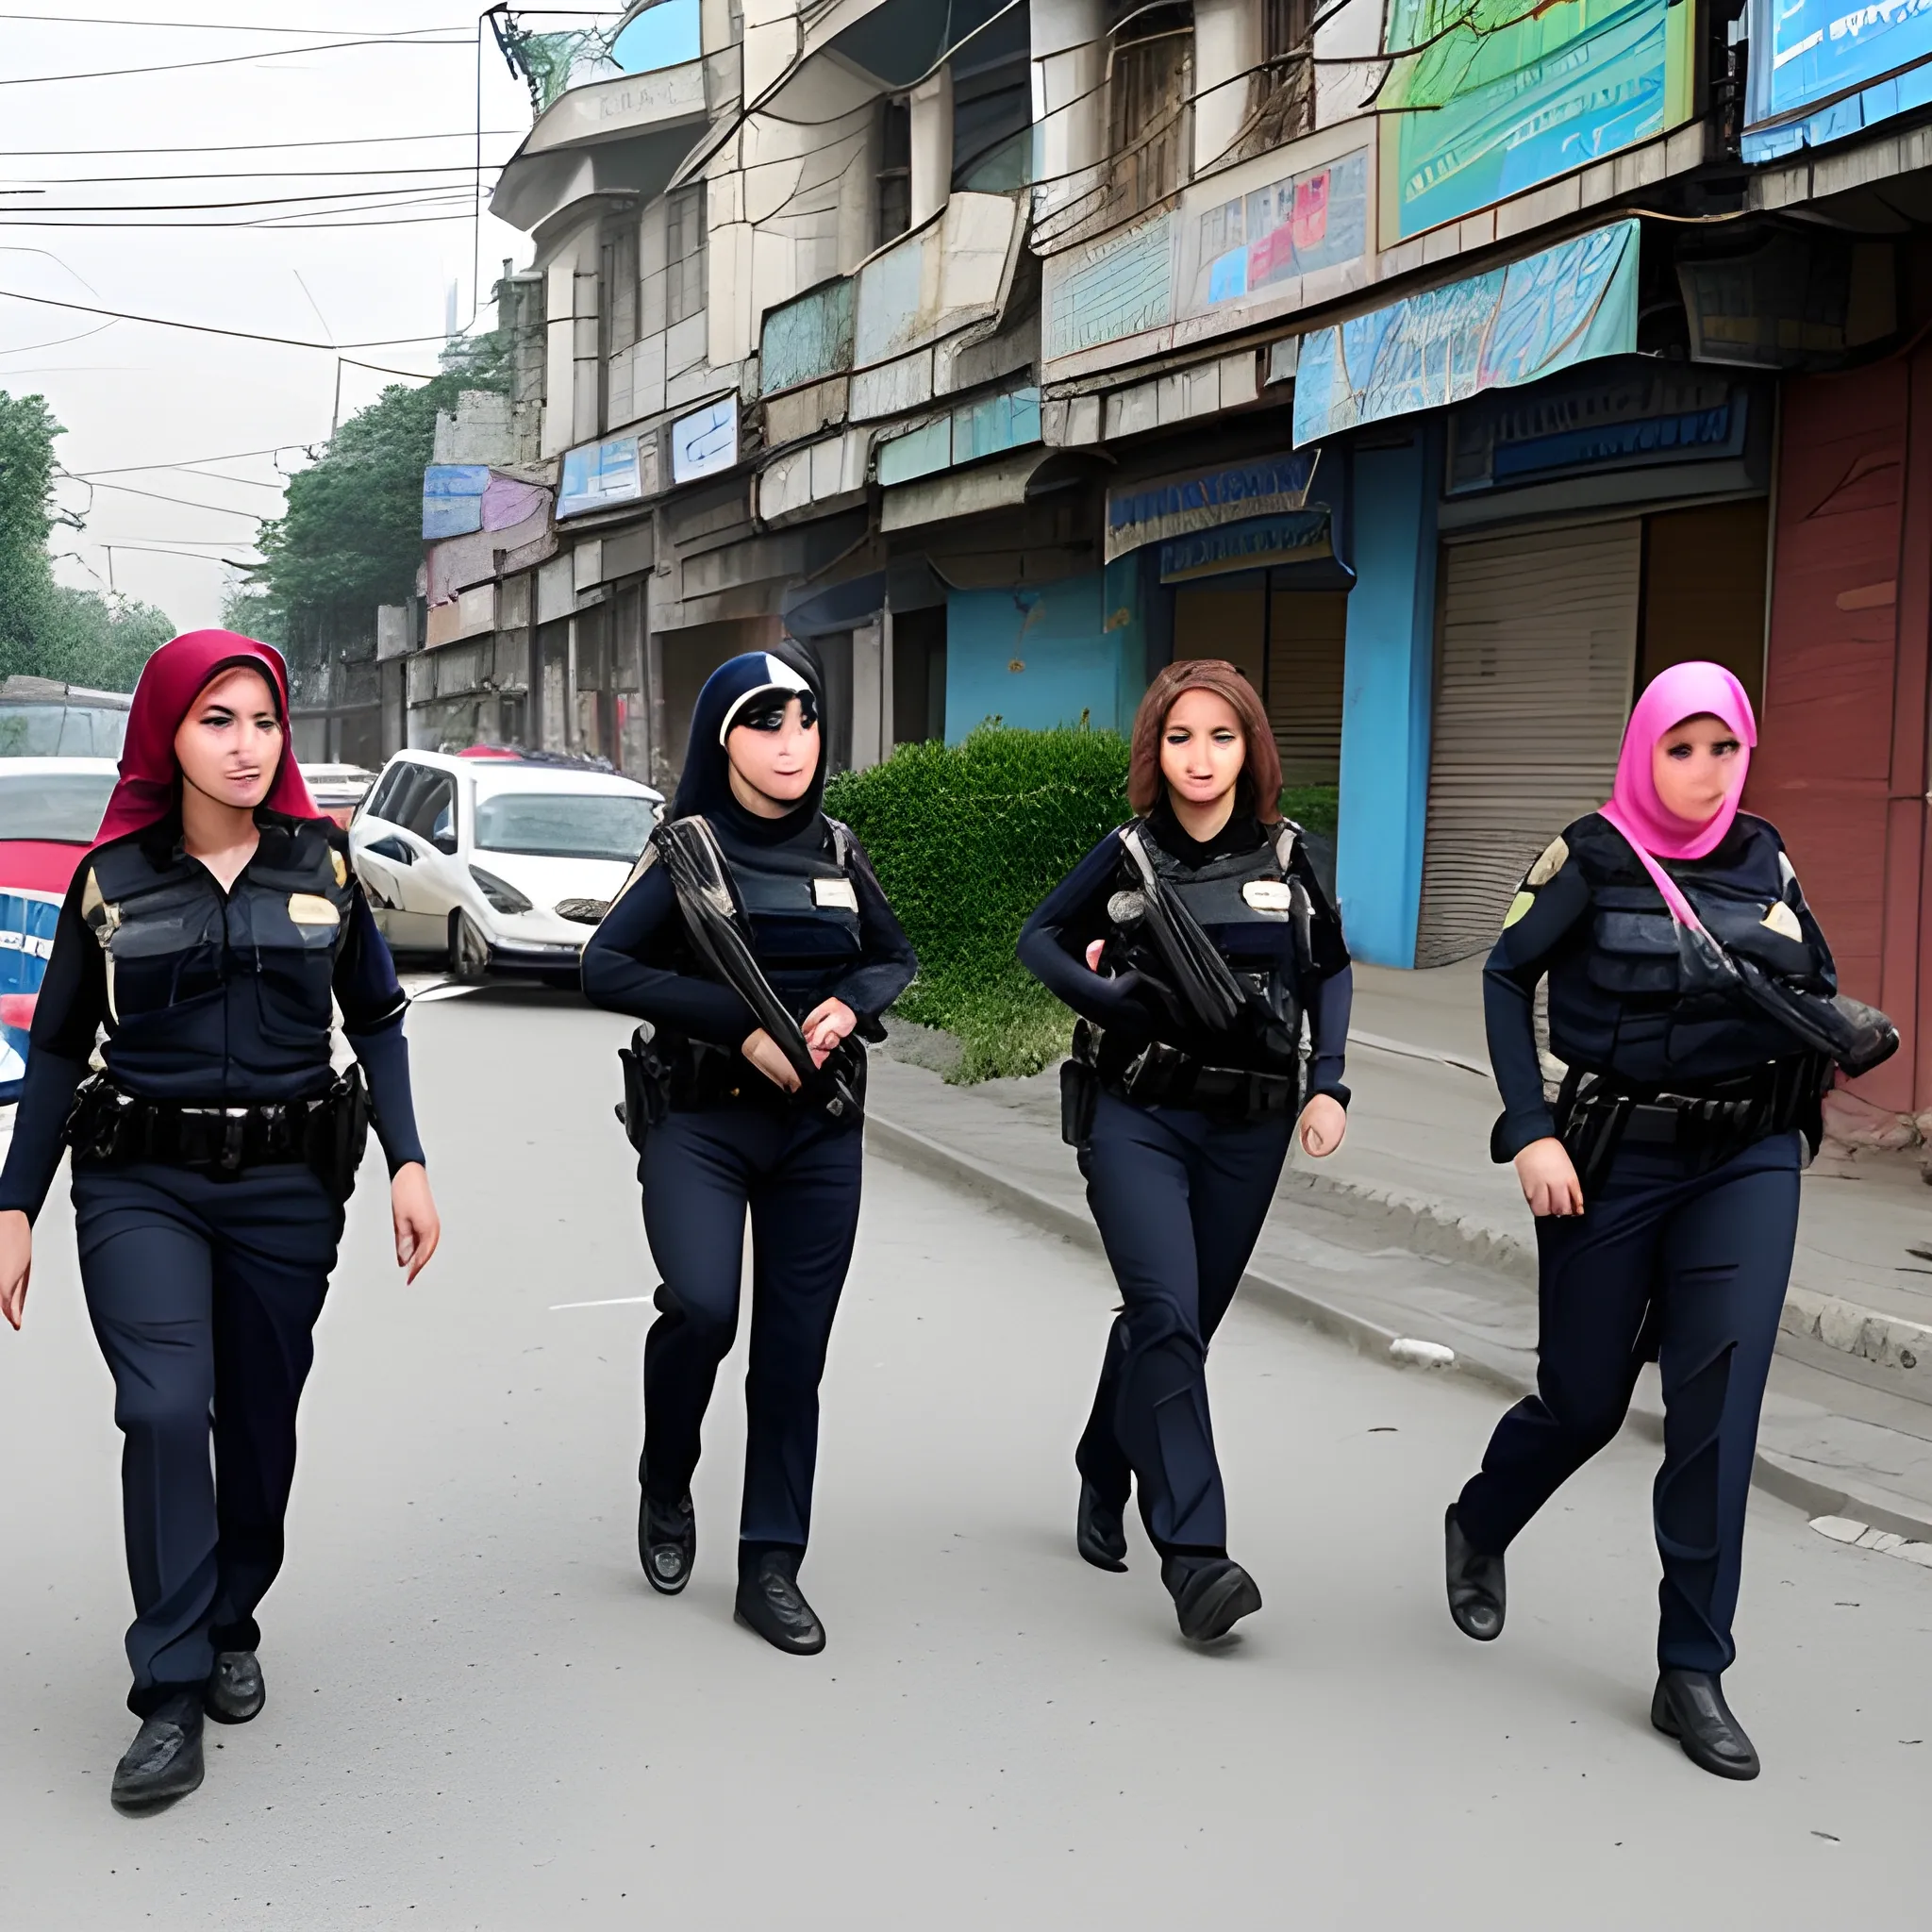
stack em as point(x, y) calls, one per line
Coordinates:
point(430, 824)
point(388, 855)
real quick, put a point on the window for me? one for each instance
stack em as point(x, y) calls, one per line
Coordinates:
point(893, 196)
point(684, 253)
point(1147, 96)
point(389, 790)
point(1288, 78)
point(563, 824)
point(65, 808)
point(619, 263)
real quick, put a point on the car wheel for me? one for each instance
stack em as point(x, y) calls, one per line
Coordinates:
point(469, 951)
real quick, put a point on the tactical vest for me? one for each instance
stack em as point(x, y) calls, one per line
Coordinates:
point(802, 906)
point(1635, 938)
point(196, 977)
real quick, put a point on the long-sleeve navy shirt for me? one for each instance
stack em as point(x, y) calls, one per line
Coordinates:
point(1590, 918)
point(1053, 947)
point(641, 960)
point(222, 1011)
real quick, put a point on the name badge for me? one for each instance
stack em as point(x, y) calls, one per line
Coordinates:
point(311, 909)
point(1267, 895)
point(837, 893)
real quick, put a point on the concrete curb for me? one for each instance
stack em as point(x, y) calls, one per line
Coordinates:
point(1776, 1474)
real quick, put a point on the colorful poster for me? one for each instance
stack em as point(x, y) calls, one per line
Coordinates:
point(1512, 325)
point(1496, 97)
point(1822, 69)
point(1289, 228)
point(596, 475)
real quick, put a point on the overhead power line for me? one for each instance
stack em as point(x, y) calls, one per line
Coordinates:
point(463, 169)
point(233, 456)
point(207, 329)
point(220, 509)
point(224, 60)
point(211, 26)
point(230, 147)
point(292, 222)
point(371, 197)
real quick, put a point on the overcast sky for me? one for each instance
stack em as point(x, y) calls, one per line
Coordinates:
point(132, 394)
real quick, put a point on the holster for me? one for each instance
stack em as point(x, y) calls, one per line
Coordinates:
point(1079, 1087)
point(649, 1065)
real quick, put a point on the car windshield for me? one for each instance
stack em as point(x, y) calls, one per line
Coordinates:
point(65, 806)
point(564, 824)
point(61, 731)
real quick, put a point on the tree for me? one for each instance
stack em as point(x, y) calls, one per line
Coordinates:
point(351, 537)
point(46, 628)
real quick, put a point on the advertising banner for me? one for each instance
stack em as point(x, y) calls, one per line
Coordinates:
point(1196, 500)
point(1500, 97)
point(1512, 325)
point(597, 474)
point(1822, 69)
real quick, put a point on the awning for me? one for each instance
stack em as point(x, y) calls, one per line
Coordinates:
point(1001, 485)
point(1512, 325)
point(812, 612)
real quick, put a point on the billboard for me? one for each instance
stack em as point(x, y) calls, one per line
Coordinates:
point(1822, 69)
point(1484, 100)
point(1512, 325)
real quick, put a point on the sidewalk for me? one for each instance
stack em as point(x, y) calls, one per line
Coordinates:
point(1410, 1236)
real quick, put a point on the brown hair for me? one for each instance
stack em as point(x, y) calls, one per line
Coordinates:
point(1259, 788)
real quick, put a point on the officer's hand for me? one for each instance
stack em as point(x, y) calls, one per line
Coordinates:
point(16, 1263)
point(761, 1050)
point(1549, 1178)
point(825, 1025)
point(419, 1227)
point(1323, 1122)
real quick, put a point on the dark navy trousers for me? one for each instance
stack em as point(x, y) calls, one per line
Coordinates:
point(1179, 1199)
point(798, 1175)
point(1689, 1269)
point(203, 1295)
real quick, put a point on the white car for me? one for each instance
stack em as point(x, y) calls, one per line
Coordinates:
point(498, 862)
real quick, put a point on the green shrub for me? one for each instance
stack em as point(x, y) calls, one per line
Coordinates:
point(967, 840)
point(1314, 807)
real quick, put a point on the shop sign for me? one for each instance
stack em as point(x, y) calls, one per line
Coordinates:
point(1647, 419)
point(988, 427)
point(1509, 96)
point(1101, 291)
point(705, 444)
point(1512, 325)
point(453, 499)
point(1823, 68)
point(1271, 236)
point(597, 474)
point(1194, 500)
point(1259, 544)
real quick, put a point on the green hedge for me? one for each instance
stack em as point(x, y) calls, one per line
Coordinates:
point(967, 840)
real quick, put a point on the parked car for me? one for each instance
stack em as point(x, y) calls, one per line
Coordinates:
point(42, 718)
point(338, 790)
point(50, 812)
point(499, 864)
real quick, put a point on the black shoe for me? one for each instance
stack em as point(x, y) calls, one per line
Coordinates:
point(1099, 1531)
point(1690, 1706)
point(235, 1691)
point(1476, 1594)
point(769, 1602)
point(164, 1762)
point(667, 1543)
point(1211, 1595)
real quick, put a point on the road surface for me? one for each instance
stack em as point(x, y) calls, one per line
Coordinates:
point(480, 1715)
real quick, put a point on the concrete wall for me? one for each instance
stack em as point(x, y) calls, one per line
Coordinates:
point(1036, 657)
point(1389, 681)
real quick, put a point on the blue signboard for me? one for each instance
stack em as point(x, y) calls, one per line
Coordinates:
point(1822, 69)
point(453, 499)
point(1255, 544)
point(596, 475)
point(1512, 325)
point(1177, 506)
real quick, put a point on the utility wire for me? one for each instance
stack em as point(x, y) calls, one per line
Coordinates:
point(213, 26)
point(230, 147)
point(205, 329)
point(222, 60)
point(460, 168)
point(218, 510)
point(233, 456)
point(371, 197)
point(287, 223)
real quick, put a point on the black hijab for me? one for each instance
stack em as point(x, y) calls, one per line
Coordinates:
point(704, 787)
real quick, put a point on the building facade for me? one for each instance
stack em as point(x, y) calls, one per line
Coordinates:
point(1450, 369)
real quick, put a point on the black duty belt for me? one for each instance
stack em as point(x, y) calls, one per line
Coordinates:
point(1161, 1076)
point(109, 1127)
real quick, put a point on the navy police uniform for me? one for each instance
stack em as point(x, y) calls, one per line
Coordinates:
point(207, 1232)
point(1687, 1114)
point(1182, 1133)
point(730, 1142)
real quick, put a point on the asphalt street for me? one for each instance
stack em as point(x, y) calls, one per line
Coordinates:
point(480, 1715)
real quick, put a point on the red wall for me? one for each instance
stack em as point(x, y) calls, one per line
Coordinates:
point(1841, 768)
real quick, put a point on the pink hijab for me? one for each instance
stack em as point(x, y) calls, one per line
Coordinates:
point(170, 681)
point(1685, 691)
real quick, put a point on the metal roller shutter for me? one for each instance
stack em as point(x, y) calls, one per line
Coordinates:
point(1306, 643)
point(1533, 686)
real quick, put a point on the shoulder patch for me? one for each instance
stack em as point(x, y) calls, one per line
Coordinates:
point(1556, 855)
point(340, 865)
point(311, 909)
point(1783, 921)
point(1518, 906)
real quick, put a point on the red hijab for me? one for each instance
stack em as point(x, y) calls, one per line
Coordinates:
point(170, 681)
